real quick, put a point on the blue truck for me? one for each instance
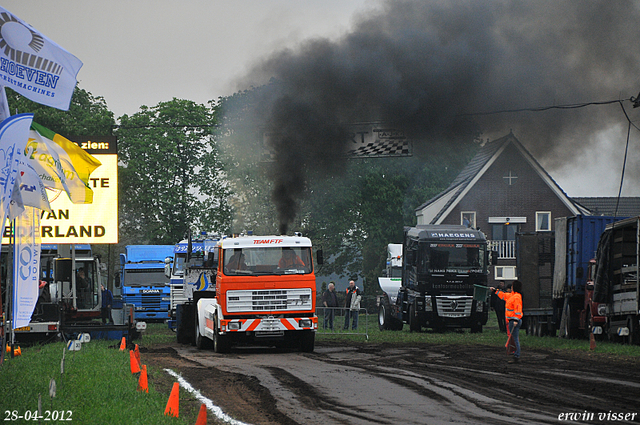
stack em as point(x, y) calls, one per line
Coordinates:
point(143, 280)
point(556, 269)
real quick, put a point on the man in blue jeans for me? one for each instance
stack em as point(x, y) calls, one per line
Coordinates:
point(352, 304)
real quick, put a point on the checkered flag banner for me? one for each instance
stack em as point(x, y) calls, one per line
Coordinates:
point(382, 148)
point(368, 140)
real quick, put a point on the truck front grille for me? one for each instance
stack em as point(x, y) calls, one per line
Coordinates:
point(454, 306)
point(269, 300)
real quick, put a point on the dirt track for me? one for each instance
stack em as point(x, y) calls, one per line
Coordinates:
point(356, 383)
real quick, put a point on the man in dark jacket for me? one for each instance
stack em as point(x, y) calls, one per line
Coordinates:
point(107, 302)
point(330, 302)
point(498, 306)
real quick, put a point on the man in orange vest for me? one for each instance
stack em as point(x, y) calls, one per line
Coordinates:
point(513, 314)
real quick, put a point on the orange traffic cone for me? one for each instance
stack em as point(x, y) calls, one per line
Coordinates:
point(174, 401)
point(143, 385)
point(135, 365)
point(202, 416)
point(136, 351)
point(17, 352)
point(592, 341)
point(123, 344)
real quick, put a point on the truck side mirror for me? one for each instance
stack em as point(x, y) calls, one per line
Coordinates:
point(117, 281)
point(319, 257)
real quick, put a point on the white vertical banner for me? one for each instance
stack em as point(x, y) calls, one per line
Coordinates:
point(26, 266)
point(14, 132)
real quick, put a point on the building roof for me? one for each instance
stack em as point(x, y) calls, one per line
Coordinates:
point(626, 207)
point(437, 208)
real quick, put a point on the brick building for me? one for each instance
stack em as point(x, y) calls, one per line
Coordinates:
point(502, 191)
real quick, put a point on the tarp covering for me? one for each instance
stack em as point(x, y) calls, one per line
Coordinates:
point(602, 280)
point(560, 264)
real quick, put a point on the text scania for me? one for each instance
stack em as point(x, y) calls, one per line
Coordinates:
point(264, 241)
point(28, 78)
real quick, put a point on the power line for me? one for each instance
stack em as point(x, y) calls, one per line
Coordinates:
point(545, 108)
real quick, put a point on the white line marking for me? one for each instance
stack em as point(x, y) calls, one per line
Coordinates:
point(210, 406)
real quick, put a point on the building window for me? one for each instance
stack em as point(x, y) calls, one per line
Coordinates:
point(505, 272)
point(510, 178)
point(543, 221)
point(504, 232)
point(468, 219)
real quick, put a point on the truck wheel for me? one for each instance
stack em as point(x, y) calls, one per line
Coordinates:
point(221, 343)
point(414, 324)
point(396, 325)
point(307, 341)
point(201, 341)
point(383, 317)
point(185, 315)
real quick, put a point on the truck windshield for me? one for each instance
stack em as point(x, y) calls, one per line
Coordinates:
point(267, 261)
point(446, 257)
point(178, 263)
point(145, 277)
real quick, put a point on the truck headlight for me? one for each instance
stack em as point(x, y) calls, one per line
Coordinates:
point(234, 326)
point(427, 303)
point(305, 323)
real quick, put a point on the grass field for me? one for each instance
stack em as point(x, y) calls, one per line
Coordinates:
point(490, 336)
point(97, 386)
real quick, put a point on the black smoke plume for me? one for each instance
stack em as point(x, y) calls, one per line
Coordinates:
point(424, 66)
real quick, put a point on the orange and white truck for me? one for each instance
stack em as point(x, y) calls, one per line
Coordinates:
point(257, 290)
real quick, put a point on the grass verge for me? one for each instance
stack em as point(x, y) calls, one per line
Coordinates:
point(96, 387)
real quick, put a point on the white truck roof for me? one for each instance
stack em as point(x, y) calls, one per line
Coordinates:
point(265, 241)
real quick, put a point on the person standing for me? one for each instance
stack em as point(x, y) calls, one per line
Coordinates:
point(352, 305)
point(330, 302)
point(498, 306)
point(107, 302)
point(513, 315)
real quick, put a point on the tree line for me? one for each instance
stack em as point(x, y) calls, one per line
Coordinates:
point(187, 166)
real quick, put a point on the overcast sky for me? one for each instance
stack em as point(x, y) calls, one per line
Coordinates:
point(144, 52)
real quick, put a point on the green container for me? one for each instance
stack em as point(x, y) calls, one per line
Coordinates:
point(480, 293)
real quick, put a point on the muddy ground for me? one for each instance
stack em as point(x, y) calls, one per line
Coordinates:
point(364, 383)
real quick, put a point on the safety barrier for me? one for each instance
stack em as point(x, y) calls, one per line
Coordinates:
point(339, 315)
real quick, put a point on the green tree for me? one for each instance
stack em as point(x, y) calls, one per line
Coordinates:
point(88, 115)
point(171, 177)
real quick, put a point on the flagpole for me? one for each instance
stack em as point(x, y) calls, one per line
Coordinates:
point(10, 278)
point(5, 312)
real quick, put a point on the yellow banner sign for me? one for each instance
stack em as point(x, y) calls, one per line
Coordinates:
point(84, 223)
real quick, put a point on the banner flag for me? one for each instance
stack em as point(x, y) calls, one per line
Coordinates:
point(33, 65)
point(14, 132)
point(26, 266)
point(4, 104)
point(60, 163)
point(28, 191)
